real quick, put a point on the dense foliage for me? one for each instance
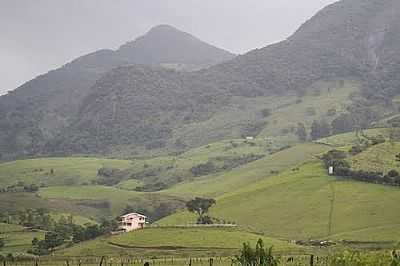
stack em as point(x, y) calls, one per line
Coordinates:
point(201, 207)
point(260, 256)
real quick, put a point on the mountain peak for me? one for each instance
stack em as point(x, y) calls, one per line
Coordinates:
point(164, 44)
point(163, 28)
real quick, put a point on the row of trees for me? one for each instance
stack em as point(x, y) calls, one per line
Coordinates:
point(337, 160)
point(58, 231)
point(346, 122)
point(20, 187)
point(66, 232)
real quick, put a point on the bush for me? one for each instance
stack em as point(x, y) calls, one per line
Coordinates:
point(152, 187)
point(331, 112)
point(393, 174)
point(334, 158)
point(259, 256)
point(266, 112)
point(356, 150)
point(109, 176)
point(204, 169)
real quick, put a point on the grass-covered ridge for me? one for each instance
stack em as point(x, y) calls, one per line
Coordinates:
point(16, 238)
point(307, 203)
point(56, 171)
point(172, 240)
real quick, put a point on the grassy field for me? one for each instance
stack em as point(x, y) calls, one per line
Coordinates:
point(175, 242)
point(307, 204)
point(378, 158)
point(115, 199)
point(66, 171)
point(217, 185)
point(349, 139)
point(16, 238)
point(286, 195)
point(21, 201)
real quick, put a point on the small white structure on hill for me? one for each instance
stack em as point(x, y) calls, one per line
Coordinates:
point(249, 138)
point(132, 221)
point(331, 170)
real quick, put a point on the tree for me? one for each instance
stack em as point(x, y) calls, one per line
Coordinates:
point(201, 207)
point(301, 132)
point(320, 129)
point(35, 241)
point(266, 112)
point(393, 173)
point(52, 240)
point(343, 123)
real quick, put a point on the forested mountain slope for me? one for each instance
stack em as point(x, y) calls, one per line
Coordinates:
point(156, 109)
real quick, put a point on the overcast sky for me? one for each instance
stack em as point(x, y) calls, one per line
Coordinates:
point(39, 35)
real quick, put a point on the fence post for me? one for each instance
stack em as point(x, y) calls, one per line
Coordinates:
point(190, 262)
point(101, 261)
point(211, 261)
point(312, 260)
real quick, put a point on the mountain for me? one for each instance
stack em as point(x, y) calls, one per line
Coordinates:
point(41, 108)
point(165, 45)
point(342, 62)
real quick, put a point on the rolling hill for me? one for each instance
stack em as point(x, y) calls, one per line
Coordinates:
point(304, 202)
point(172, 241)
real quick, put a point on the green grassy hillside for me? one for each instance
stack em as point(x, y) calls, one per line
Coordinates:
point(16, 238)
point(204, 241)
point(114, 200)
point(350, 138)
point(310, 204)
point(66, 171)
point(378, 158)
point(216, 185)
point(274, 117)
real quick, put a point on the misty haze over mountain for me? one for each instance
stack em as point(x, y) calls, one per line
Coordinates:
point(37, 36)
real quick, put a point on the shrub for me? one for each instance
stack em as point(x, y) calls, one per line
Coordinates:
point(260, 256)
point(393, 173)
point(356, 150)
point(109, 176)
point(331, 112)
point(266, 112)
point(204, 169)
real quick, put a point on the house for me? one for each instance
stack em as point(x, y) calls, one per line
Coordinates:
point(132, 221)
point(249, 138)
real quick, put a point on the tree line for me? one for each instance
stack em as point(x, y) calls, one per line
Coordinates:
point(342, 168)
